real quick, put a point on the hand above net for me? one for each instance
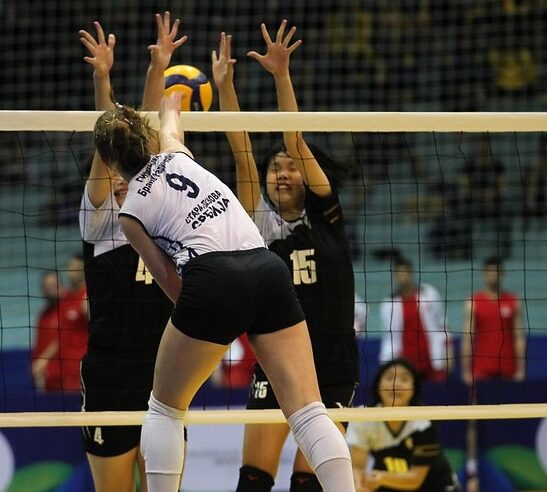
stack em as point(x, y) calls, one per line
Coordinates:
point(101, 50)
point(223, 63)
point(167, 42)
point(276, 59)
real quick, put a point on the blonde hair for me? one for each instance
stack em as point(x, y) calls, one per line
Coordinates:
point(121, 138)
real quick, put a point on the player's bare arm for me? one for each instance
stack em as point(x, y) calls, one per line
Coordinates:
point(160, 57)
point(101, 58)
point(276, 61)
point(520, 343)
point(158, 263)
point(171, 133)
point(466, 351)
point(248, 183)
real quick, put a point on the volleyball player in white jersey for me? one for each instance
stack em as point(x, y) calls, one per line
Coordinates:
point(187, 225)
point(128, 311)
point(294, 202)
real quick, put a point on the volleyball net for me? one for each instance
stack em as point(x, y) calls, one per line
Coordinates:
point(367, 55)
point(445, 191)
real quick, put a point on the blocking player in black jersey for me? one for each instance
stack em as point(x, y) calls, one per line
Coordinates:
point(128, 310)
point(407, 455)
point(294, 202)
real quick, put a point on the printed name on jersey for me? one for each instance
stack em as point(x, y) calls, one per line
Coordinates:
point(151, 177)
point(211, 206)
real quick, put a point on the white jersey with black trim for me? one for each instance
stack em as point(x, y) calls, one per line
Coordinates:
point(99, 225)
point(272, 226)
point(375, 436)
point(187, 210)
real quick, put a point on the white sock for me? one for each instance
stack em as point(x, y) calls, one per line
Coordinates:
point(162, 446)
point(324, 447)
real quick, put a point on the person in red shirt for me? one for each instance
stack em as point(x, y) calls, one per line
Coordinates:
point(45, 369)
point(62, 331)
point(235, 371)
point(493, 346)
point(493, 343)
point(73, 325)
point(414, 325)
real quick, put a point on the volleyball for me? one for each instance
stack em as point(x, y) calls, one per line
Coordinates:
point(193, 83)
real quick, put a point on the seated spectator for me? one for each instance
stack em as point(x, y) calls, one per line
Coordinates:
point(407, 455)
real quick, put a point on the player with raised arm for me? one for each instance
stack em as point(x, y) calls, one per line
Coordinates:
point(294, 203)
point(128, 309)
point(188, 226)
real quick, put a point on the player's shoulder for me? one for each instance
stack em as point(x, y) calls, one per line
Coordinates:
point(478, 295)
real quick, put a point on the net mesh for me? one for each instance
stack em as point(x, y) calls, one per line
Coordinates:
point(357, 55)
point(445, 201)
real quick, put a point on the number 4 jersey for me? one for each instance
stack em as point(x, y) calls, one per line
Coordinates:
point(316, 250)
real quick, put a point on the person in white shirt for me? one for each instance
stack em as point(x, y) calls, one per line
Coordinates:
point(414, 325)
point(206, 253)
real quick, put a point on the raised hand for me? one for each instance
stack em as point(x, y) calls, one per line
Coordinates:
point(276, 59)
point(167, 42)
point(223, 63)
point(101, 50)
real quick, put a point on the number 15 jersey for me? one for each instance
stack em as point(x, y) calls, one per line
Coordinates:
point(316, 250)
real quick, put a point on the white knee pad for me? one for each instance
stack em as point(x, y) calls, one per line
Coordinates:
point(162, 438)
point(317, 436)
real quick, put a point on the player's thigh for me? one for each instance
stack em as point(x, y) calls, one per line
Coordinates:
point(287, 359)
point(182, 366)
point(262, 446)
point(114, 473)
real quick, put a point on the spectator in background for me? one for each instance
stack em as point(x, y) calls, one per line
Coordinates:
point(45, 369)
point(407, 455)
point(492, 346)
point(360, 320)
point(493, 343)
point(62, 331)
point(235, 371)
point(414, 325)
point(73, 325)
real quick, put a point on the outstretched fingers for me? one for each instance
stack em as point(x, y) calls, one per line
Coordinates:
point(265, 34)
point(100, 32)
point(281, 31)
